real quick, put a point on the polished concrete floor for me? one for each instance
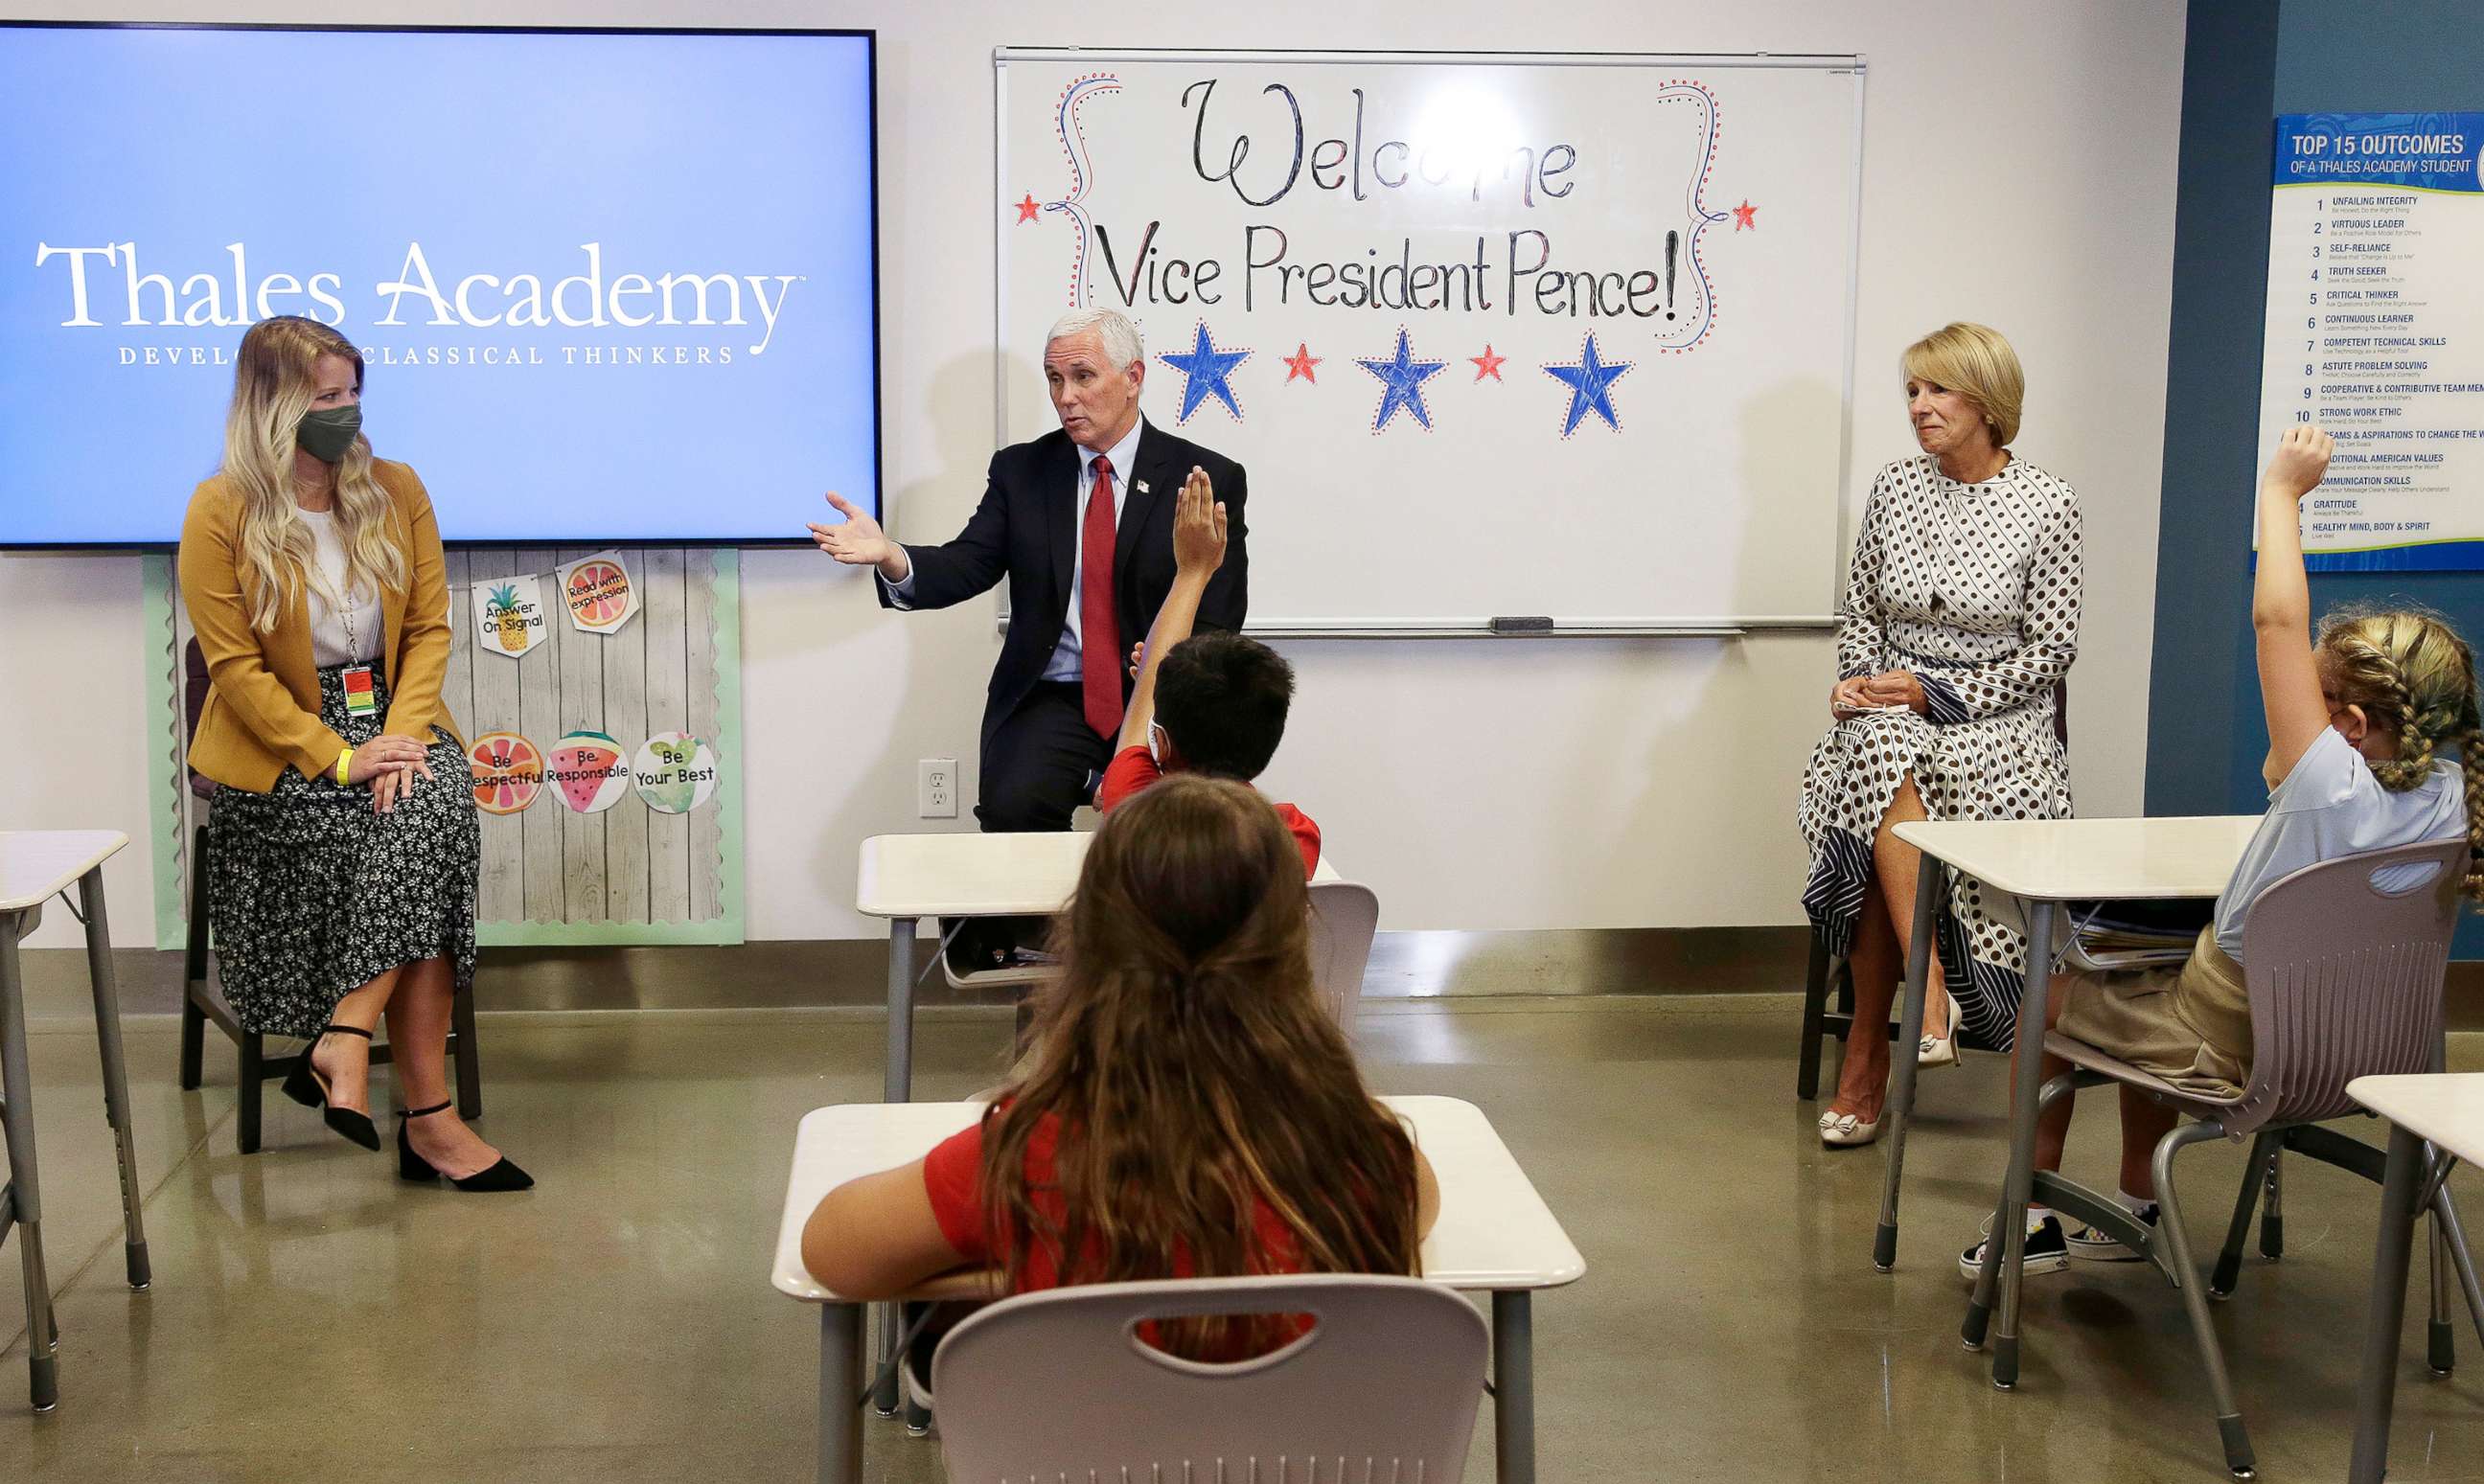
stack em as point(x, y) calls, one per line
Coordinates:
point(312, 1318)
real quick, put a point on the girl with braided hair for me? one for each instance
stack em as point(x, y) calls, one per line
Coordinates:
point(2359, 720)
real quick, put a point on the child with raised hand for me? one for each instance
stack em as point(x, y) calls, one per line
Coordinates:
point(1187, 1108)
point(2359, 718)
point(1214, 703)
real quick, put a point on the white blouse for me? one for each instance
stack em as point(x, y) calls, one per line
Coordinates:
point(344, 629)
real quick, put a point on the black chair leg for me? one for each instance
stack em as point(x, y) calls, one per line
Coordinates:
point(253, 1082)
point(468, 1054)
point(1815, 996)
point(194, 967)
point(194, 1043)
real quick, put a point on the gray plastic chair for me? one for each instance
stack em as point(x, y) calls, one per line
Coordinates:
point(2345, 981)
point(1057, 1386)
point(1346, 916)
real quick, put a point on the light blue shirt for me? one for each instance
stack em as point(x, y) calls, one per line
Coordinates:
point(2330, 805)
point(1065, 664)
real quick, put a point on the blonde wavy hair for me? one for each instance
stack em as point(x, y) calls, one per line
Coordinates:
point(274, 383)
point(1978, 361)
point(2416, 679)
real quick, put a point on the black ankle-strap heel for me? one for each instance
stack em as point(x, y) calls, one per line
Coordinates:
point(303, 1085)
point(411, 1166)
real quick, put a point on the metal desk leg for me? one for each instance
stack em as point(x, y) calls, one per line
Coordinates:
point(1928, 884)
point(24, 1191)
point(896, 1085)
point(891, 1320)
point(116, 1073)
point(1513, 1387)
point(2376, 1391)
point(2019, 1183)
point(898, 1082)
point(839, 1383)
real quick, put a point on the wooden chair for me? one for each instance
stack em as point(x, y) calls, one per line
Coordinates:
point(201, 1004)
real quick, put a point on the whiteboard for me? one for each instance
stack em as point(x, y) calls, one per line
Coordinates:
point(1565, 336)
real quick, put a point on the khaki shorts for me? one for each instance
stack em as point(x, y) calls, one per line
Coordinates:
point(2189, 1024)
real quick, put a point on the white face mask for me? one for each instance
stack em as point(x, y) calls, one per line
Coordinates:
point(1155, 745)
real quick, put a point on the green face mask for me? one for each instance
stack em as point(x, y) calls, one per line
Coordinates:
point(327, 433)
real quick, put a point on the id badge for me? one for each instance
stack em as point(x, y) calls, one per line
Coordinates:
point(360, 698)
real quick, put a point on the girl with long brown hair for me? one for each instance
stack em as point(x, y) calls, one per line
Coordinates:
point(1186, 1107)
point(343, 848)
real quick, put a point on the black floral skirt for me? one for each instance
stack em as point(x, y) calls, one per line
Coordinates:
point(313, 894)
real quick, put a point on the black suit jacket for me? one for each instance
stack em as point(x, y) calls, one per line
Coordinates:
point(1026, 528)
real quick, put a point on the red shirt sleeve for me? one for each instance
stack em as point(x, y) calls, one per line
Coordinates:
point(1133, 770)
point(952, 1178)
point(1306, 836)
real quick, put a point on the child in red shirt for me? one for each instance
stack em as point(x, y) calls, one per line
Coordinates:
point(1214, 703)
point(1187, 1108)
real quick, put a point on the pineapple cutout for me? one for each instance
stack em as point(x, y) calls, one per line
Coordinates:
point(510, 614)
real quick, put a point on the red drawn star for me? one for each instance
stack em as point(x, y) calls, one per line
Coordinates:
point(1300, 364)
point(1488, 364)
point(1743, 215)
point(1026, 208)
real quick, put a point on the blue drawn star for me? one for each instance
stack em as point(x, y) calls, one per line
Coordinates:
point(1204, 370)
point(1590, 381)
point(1402, 383)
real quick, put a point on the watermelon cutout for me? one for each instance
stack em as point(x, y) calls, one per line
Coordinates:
point(675, 773)
point(588, 772)
point(508, 771)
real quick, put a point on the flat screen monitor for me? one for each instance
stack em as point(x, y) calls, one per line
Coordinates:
point(608, 285)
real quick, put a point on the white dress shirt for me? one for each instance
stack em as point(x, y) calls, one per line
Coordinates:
point(1065, 664)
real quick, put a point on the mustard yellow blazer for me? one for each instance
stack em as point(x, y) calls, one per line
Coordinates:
point(263, 708)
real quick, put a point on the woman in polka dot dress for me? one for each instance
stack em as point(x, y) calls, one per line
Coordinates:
point(1960, 618)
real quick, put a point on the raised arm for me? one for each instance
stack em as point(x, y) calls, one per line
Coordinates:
point(1199, 529)
point(2289, 678)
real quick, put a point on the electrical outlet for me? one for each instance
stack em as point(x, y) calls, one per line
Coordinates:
point(935, 787)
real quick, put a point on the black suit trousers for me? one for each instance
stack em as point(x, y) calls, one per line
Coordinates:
point(1039, 761)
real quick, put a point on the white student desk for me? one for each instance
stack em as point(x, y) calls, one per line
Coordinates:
point(1493, 1234)
point(35, 866)
point(903, 878)
point(2044, 863)
point(2447, 1110)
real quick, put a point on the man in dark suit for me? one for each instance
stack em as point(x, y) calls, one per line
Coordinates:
point(1080, 521)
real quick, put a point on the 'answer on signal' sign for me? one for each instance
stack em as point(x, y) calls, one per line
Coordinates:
point(508, 615)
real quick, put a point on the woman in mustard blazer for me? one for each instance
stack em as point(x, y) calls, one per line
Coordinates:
point(343, 847)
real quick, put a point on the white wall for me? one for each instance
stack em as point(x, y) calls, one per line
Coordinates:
point(2020, 171)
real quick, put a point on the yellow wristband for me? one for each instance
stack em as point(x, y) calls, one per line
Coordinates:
point(344, 759)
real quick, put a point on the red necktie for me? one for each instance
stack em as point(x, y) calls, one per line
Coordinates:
point(1099, 636)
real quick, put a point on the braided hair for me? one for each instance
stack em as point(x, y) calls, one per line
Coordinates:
point(2416, 679)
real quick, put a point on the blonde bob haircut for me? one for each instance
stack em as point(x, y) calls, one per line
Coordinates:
point(1975, 361)
point(275, 379)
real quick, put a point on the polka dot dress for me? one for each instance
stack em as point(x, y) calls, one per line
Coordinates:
point(1975, 589)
